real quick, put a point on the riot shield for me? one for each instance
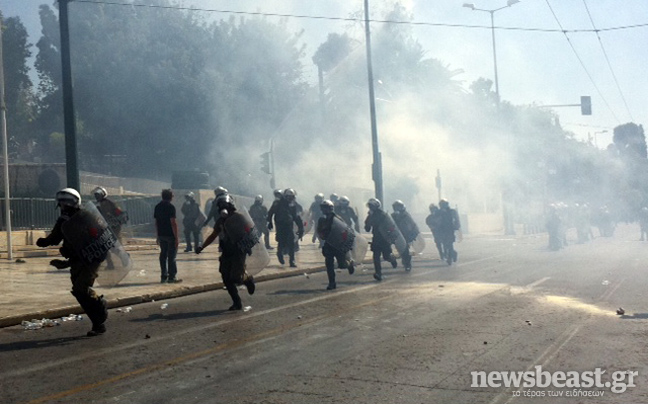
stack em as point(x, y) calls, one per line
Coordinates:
point(200, 219)
point(389, 231)
point(341, 236)
point(307, 221)
point(243, 233)
point(408, 228)
point(418, 245)
point(359, 250)
point(91, 238)
point(239, 228)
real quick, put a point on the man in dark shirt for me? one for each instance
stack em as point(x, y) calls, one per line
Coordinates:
point(167, 237)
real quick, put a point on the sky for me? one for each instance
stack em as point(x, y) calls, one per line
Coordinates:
point(534, 67)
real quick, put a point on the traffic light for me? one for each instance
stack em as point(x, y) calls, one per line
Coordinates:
point(586, 105)
point(265, 163)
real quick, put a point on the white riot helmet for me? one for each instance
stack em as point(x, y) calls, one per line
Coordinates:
point(289, 194)
point(344, 201)
point(190, 195)
point(68, 197)
point(100, 193)
point(327, 207)
point(398, 206)
point(220, 191)
point(258, 199)
point(373, 204)
point(319, 197)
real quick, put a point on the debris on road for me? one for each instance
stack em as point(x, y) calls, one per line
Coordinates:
point(299, 317)
point(147, 336)
point(620, 311)
point(247, 308)
point(306, 275)
point(605, 283)
point(164, 306)
point(126, 310)
point(37, 324)
point(21, 261)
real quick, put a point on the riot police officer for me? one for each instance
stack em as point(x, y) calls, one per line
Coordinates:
point(433, 222)
point(347, 213)
point(83, 272)
point(190, 212)
point(213, 210)
point(234, 252)
point(284, 213)
point(259, 214)
point(114, 215)
point(448, 224)
point(338, 240)
point(316, 212)
point(380, 245)
point(408, 229)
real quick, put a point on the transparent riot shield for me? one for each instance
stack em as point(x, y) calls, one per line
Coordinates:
point(307, 221)
point(240, 227)
point(359, 250)
point(407, 227)
point(341, 237)
point(389, 230)
point(418, 245)
point(94, 242)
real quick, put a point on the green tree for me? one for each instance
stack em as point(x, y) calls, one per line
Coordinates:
point(19, 94)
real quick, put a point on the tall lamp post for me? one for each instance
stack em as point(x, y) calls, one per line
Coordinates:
point(377, 158)
point(509, 3)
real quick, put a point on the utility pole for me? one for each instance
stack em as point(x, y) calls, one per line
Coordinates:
point(377, 158)
point(5, 152)
point(71, 154)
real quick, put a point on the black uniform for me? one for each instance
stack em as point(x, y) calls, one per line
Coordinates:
point(232, 265)
point(379, 244)
point(259, 214)
point(191, 212)
point(330, 253)
point(285, 215)
point(410, 231)
point(349, 215)
point(433, 222)
point(448, 224)
point(82, 273)
point(115, 217)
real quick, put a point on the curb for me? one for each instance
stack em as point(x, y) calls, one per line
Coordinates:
point(148, 297)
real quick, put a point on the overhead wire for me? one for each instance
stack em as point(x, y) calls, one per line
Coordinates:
point(352, 19)
point(607, 59)
point(581, 62)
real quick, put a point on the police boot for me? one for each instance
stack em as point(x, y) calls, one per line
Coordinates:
point(280, 257)
point(249, 284)
point(393, 261)
point(236, 299)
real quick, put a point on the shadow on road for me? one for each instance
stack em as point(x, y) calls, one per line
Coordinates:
point(636, 316)
point(298, 292)
point(180, 316)
point(43, 343)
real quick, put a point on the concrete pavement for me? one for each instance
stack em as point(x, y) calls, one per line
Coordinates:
point(32, 289)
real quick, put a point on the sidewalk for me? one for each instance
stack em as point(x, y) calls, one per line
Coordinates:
point(35, 290)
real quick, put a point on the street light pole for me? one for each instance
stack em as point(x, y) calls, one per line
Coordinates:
point(492, 12)
point(377, 161)
point(71, 154)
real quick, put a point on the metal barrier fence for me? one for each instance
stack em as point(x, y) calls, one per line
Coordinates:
point(41, 213)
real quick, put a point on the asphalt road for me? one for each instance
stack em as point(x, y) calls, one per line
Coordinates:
point(508, 305)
